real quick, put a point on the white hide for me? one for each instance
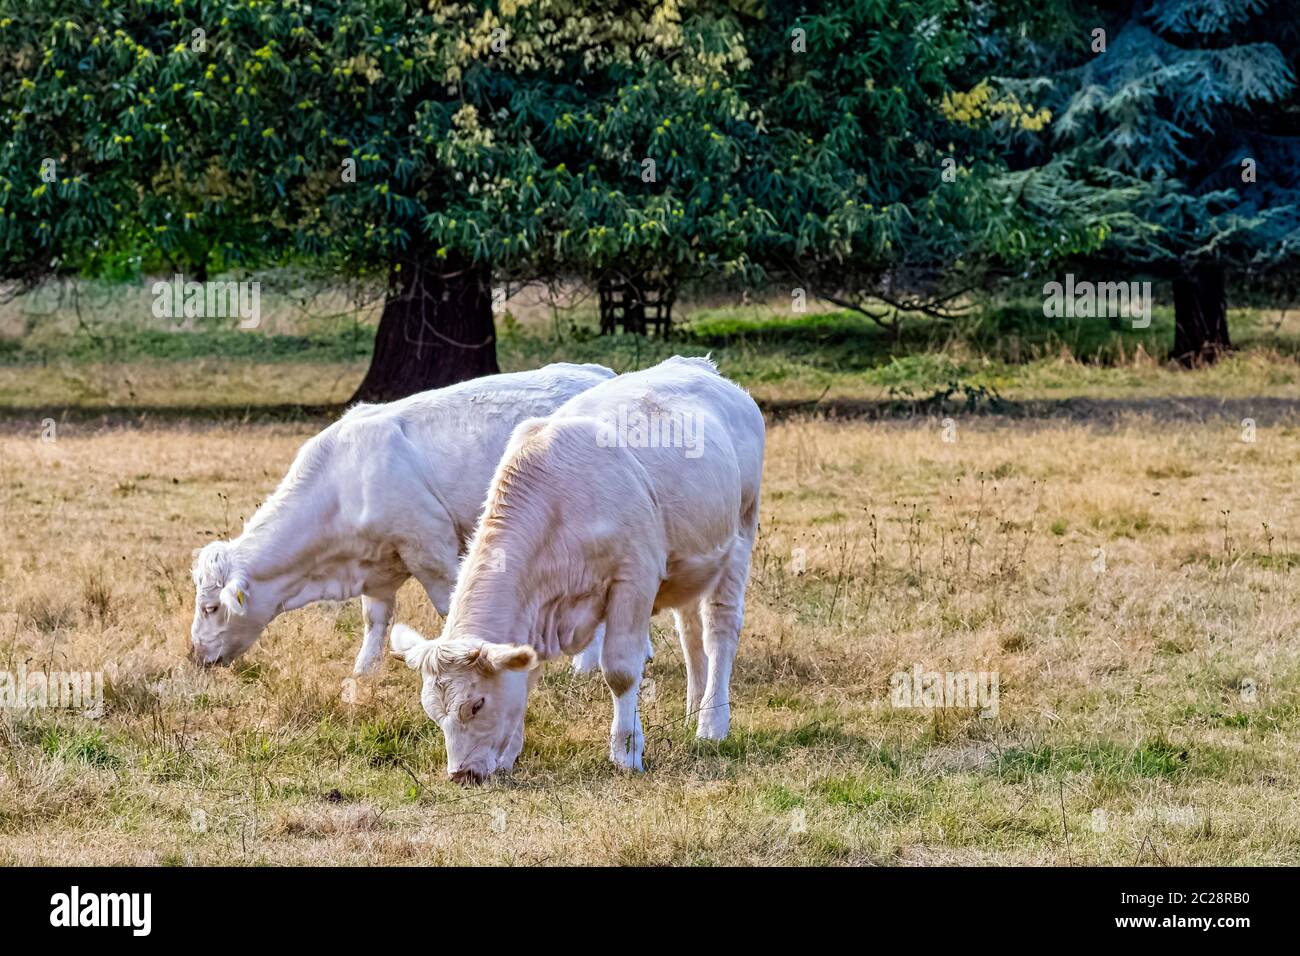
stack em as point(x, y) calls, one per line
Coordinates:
point(590, 522)
point(385, 493)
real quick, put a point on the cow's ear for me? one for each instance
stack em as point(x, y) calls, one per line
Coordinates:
point(508, 657)
point(234, 597)
point(409, 644)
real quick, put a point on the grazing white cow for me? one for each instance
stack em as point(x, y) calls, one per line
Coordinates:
point(385, 493)
point(638, 495)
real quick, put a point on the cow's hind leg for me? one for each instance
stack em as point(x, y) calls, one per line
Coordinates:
point(723, 614)
point(690, 630)
point(587, 660)
point(377, 614)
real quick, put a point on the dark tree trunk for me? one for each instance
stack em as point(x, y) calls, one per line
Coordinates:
point(436, 328)
point(1200, 315)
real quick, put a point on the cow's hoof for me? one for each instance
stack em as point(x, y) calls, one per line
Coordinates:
point(368, 665)
point(625, 751)
point(713, 726)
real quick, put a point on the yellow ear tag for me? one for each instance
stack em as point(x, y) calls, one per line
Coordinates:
point(239, 595)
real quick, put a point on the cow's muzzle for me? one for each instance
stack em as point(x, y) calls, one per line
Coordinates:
point(199, 658)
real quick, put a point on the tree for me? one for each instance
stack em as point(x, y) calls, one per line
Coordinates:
point(434, 144)
point(888, 172)
point(1194, 99)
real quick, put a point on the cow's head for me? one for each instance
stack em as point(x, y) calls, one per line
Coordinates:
point(477, 693)
point(227, 614)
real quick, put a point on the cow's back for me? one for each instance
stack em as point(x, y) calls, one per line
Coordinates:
point(445, 443)
point(683, 388)
point(706, 479)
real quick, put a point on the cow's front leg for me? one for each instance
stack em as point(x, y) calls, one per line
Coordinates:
point(587, 660)
point(626, 741)
point(436, 572)
point(377, 612)
point(439, 595)
point(622, 659)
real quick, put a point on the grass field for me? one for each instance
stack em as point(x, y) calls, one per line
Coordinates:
point(1130, 577)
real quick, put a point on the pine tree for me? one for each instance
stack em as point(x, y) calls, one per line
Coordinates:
point(1195, 99)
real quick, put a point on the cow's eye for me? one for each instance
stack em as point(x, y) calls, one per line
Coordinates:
point(209, 609)
point(470, 708)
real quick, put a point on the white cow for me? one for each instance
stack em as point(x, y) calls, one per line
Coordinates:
point(385, 493)
point(638, 495)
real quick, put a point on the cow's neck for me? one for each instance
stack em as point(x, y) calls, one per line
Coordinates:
point(280, 555)
point(341, 582)
point(536, 599)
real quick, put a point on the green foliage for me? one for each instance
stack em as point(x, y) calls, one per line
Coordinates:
point(513, 136)
point(896, 193)
point(800, 138)
point(867, 151)
point(1185, 96)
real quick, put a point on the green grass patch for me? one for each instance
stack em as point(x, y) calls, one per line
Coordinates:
point(774, 743)
point(80, 746)
point(1158, 758)
point(858, 793)
point(391, 741)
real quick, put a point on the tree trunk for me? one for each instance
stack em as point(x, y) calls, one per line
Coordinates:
point(436, 328)
point(1200, 315)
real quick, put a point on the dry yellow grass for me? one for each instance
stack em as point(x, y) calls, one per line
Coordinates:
point(1123, 582)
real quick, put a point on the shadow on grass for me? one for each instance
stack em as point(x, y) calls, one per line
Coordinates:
point(747, 746)
point(1264, 410)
